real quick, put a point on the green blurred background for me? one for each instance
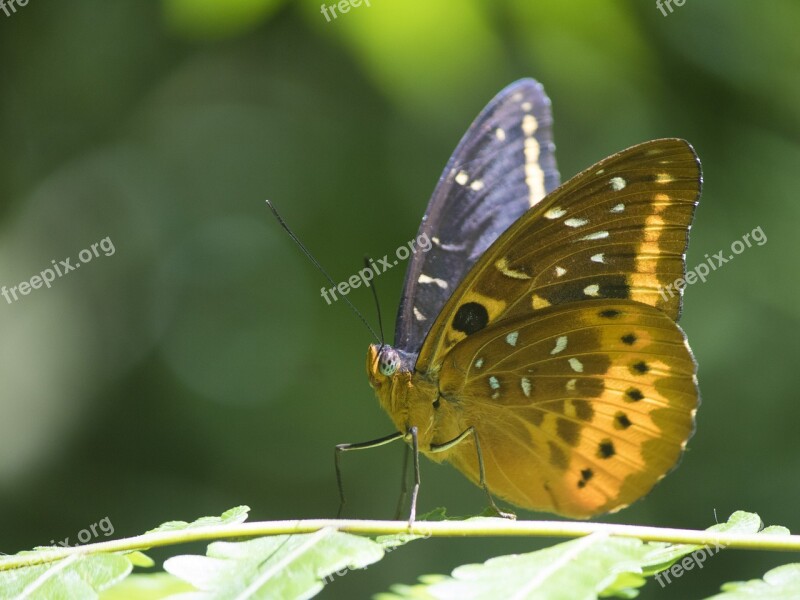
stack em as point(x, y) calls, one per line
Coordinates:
point(198, 368)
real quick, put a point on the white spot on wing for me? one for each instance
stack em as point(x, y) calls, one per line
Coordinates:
point(576, 222)
point(618, 208)
point(462, 178)
point(478, 363)
point(500, 134)
point(440, 282)
point(526, 106)
point(560, 271)
point(555, 213)
point(618, 183)
point(534, 176)
point(418, 315)
point(576, 365)
point(538, 302)
point(598, 258)
point(664, 178)
point(502, 266)
point(526, 386)
point(571, 384)
point(592, 290)
point(512, 337)
point(495, 385)
point(597, 235)
point(476, 185)
point(529, 125)
point(561, 343)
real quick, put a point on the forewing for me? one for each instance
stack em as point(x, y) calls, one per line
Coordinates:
point(504, 164)
point(617, 230)
point(579, 409)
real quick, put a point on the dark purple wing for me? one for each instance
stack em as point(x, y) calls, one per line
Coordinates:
point(503, 165)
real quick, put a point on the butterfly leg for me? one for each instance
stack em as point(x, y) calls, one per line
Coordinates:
point(481, 469)
point(403, 484)
point(415, 490)
point(359, 446)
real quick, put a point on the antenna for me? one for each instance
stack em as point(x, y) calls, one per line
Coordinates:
point(377, 303)
point(321, 270)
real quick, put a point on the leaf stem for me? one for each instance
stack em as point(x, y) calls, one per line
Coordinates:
point(477, 527)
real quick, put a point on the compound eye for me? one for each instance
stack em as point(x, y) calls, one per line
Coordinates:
point(388, 361)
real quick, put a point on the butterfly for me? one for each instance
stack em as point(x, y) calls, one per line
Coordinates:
point(535, 349)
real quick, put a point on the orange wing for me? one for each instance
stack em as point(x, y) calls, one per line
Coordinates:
point(579, 409)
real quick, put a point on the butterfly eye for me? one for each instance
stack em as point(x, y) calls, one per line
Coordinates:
point(388, 361)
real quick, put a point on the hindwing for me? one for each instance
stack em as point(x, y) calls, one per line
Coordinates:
point(580, 408)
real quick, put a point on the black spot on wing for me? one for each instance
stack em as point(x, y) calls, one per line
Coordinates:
point(586, 475)
point(470, 317)
point(621, 421)
point(640, 368)
point(605, 449)
point(634, 395)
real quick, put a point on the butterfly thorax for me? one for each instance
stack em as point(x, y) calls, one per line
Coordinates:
point(410, 399)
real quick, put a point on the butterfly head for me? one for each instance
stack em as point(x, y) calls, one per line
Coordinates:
point(384, 368)
point(407, 398)
point(388, 361)
point(383, 362)
point(387, 366)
